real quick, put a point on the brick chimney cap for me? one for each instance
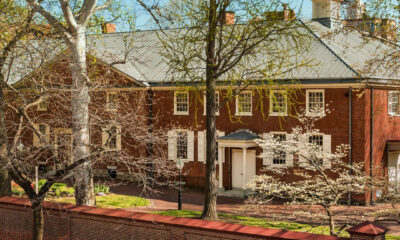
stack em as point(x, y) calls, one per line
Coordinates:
point(367, 228)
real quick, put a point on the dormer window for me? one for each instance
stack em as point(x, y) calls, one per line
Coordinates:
point(112, 101)
point(181, 103)
point(393, 103)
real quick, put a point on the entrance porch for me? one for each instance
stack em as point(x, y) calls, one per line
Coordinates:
point(241, 163)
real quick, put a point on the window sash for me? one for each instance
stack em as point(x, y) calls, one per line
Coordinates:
point(278, 102)
point(315, 104)
point(393, 102)
point(245, 103)
point(216, 103)
point(279, 157)
point(181, 102)
point(182, 145)
point(318, 140)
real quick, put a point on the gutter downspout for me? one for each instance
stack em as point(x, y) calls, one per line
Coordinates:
point(350, 136)
point(371, 139)
point(150, 131)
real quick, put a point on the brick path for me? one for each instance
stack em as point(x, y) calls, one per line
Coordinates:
point(166, 199)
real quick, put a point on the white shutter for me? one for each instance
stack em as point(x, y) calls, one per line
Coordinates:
point(327, 149)
point(172, 145)
point(268, 154)
point(119, 133)
point(190, 142)
point(201, 140)
point(221, 154)
point(289, 155)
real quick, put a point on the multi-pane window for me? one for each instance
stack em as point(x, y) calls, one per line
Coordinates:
point(182, 145)
point(318, 142)
point(244, 103)
point(279, 154)
point(315, 102)
point(181, 103)
point(393, 103)
point(44, 131)
point(112, 138)
point(278, 103)
point(216, 103)
point(112, 101)
point(42, 106)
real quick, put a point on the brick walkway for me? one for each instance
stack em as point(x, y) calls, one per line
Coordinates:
point(166, 199)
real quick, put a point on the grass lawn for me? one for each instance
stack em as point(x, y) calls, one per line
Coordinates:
point(109, 201)
point(258, 222)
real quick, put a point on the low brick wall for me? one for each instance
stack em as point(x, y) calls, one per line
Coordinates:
point(67, 221)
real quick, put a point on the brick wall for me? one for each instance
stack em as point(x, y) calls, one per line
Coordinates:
point(67, 221)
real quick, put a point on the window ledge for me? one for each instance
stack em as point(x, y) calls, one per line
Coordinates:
point(315, 114)
point(181, 113)
point(216, 114)
point(394, 114)
point(275, 114)
point(244, 114)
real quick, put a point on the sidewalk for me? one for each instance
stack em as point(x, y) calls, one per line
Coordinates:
point(167, 199)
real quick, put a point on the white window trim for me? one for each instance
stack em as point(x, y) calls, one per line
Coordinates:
point(251, 103)
point(36, 139)
point(107, 102)
point(326, 163)
point(173, 143)
point(393, 113)
point(289, 157)
point(104, 138)
point(175, 104)
point(60, 131)
point(205, 101)
point(41, 109)
point(308, 113)
point(277, 114)
point(202, 147)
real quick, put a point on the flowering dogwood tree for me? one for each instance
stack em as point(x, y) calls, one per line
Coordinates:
point(325, 177)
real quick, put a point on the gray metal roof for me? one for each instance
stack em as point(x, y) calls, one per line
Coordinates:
point(240, 135)
point(334, 57)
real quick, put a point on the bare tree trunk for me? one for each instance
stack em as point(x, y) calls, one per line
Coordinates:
point(5, 182)
point(84, 187)
point(38, 220)
point(211, 189)
point(331, 221)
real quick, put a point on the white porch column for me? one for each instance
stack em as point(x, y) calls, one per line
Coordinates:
point(244, 168)
point(220, 185)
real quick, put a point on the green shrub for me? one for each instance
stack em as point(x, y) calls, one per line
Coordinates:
point(101, 188)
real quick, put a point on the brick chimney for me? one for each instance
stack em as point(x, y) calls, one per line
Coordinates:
point(108, 28)
point(229, 18)
point(367, 231)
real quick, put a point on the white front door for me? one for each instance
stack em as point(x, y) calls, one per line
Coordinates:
point(237, 167)
point(393, 167)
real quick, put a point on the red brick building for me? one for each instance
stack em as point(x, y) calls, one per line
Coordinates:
point(363, 98)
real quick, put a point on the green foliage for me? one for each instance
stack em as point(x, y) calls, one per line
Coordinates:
point(17, 190)
point(101, 188)
point(111, 201)
point(259, 222)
